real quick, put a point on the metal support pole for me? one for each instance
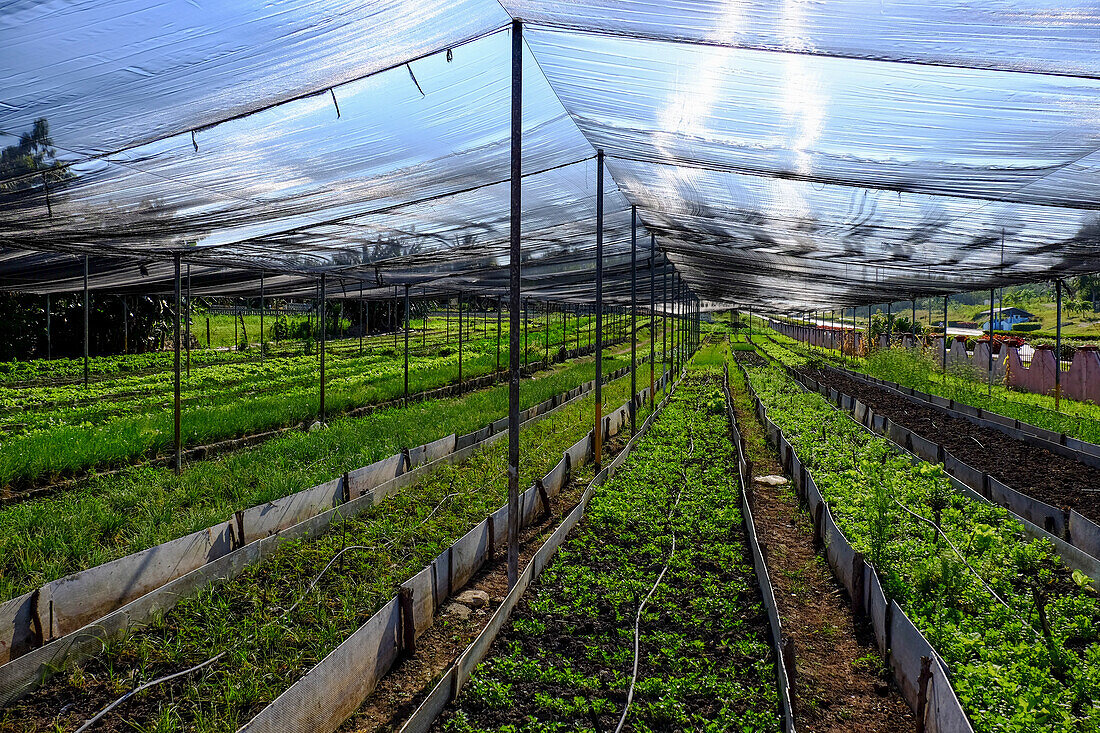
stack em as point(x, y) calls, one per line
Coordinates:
point(889, 324)
point(526, 306)
point(187, 323)
point(599, 310)
point(513, 304)
point(943, 356)
point(498, 334)
point(87, 306)
point(361, 308)
point(989, 380)
point(323, 315)
point(49, 335)
point(652, 316)
point(1058, 346)
point(263, 305)
point(664, 319)
point(177, 440)
point(546, 340)
point(406, 343)
point(913, 325)
point(459, 304)
point(633, 314)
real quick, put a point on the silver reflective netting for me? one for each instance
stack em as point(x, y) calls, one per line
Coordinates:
point(787, 156)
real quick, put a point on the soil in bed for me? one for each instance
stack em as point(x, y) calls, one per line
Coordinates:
point(841, 683)
point(411, 679)
point(1037, 472)
point(564, 659)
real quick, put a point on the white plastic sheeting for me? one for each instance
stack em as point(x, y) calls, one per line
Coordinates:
point(786, 155)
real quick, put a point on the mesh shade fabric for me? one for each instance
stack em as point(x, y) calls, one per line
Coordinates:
point(787, 156)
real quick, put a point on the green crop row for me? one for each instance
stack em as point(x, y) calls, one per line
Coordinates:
point(922, 371)
point(564, 662)
point(265, 397)
point(1032, 663)
point(267, 645)
point(110, 516)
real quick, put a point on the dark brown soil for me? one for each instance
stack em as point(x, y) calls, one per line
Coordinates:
point(841, 684)
point(1037, 472)
point(413, 677)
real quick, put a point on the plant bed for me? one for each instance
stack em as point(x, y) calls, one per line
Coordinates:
point(272, 624)
point(1055, 479)
point(921, 370)
point(222, 402)
point(565, 660)
point(841, 682)
point(1030, 663)
point(111, 516)
point(408, 682)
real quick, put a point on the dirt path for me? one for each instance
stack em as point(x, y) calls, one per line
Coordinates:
point(841, 684)
point(1055, 479)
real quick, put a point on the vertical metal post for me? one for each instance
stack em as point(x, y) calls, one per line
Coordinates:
point(513, 304)
point(913, 325)
point(49, 335)
point(652, 316)
point(87, 306)
point(526, 306)
point(546, 340)
point(263, 305)
point(177, 439)
point(945, 346)
point(498, 334)
point(406, 343)
point(187, 323)
point(324, 316)
point(458, 301)
point(361, 309)
point(393, 319)
point(599, 309)
point(1058, 346)
point(633, 313)
point(989, 385)
point(664, 319)
point(889, 324)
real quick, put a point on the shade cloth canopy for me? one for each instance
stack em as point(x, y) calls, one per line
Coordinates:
point(785, 156)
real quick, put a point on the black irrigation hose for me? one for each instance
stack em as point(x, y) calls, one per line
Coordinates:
point(167, 678)
point(641, 606)
point(988, 588)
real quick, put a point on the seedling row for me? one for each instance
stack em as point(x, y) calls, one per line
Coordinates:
point(1019, 632)
point(223, 402)
point(115, 515)
point(566, 659)
point(271, 624)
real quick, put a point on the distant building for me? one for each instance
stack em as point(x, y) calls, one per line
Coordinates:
point(1004, 318)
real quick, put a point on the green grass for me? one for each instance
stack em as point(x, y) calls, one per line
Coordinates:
point(267, 649)
point(112, 516)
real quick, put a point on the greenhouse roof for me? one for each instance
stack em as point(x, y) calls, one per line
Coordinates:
point(786, 156)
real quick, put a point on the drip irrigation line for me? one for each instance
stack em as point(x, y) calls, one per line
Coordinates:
point(167, 678)
point(92, 721)
point(652, 590)
point(305, 594)
point(988, 588)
